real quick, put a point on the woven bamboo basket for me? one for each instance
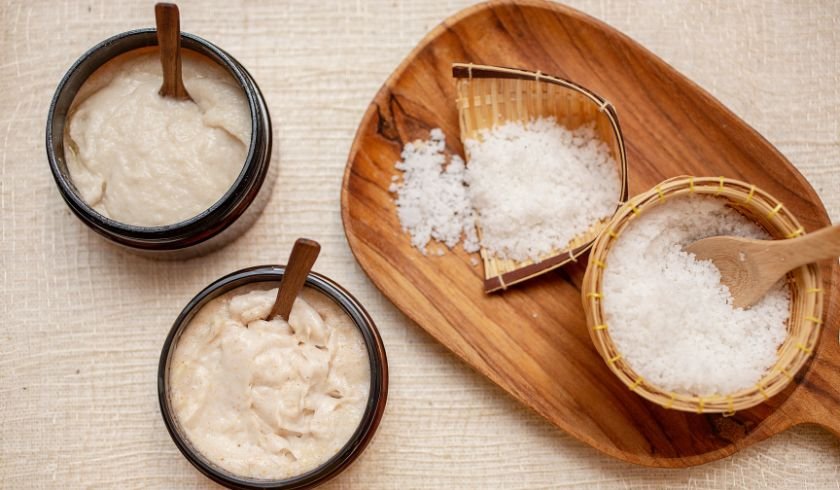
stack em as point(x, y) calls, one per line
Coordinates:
point(805, 284)
point(489, 96)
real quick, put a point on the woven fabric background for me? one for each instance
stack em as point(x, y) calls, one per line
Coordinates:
point(83, 323)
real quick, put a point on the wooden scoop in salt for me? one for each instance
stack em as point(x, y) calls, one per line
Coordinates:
point(749, 268)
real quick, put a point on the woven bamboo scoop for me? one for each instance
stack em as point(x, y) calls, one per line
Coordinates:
point(492, 95)
point(301, 260)
point(749, 268)
point(168, 22)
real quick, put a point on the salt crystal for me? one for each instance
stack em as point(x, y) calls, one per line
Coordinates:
point(432, 202)
point(671, 318)
point(538, 185)
point(535, 187)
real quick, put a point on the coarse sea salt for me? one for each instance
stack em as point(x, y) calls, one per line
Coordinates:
point(431, 199)
point(533, 186)
point(536, 186)
point(669, 316)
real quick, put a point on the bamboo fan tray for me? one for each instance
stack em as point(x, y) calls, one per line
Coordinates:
point(489, 96)
point(532, 340)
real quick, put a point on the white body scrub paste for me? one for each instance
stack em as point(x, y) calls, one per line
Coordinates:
point(531, 187)
point(668, 314)
point(269, 399)
point(147, 160)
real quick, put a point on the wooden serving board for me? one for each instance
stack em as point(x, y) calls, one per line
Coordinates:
point(532, 340)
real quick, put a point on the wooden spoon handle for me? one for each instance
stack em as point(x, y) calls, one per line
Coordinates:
point(301, 259)
point(168, 22)
point(820, 245)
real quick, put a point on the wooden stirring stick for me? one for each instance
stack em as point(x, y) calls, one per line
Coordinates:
point(303, 256)
point(749, 268)
point(168, 23)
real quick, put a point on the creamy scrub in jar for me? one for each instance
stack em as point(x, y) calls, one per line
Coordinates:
point(146, 160)
point(269, 399)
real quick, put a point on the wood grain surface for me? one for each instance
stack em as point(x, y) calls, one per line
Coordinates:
point(84, 322)
point(532, 340)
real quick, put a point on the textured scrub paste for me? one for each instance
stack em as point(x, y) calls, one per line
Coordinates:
point(147, 160)
point(269, 399)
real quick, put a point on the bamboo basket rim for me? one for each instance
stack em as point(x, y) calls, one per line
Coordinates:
point(566, 255)
point(803, 323)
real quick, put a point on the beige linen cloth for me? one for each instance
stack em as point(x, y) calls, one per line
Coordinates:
point(83, 322)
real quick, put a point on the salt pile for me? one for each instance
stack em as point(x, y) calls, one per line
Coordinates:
point(538, 185)
point(668, 314)
point(533, 187)
point(432, 201)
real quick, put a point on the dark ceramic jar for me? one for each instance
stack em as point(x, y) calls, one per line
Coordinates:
point(374, 408)
point(225, 220)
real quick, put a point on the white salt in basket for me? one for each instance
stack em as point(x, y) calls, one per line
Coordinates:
point(805, 284)
point(490, 96)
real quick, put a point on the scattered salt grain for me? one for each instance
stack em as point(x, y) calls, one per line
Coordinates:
point(536, 186)
point(668, 314)
point(432, 201)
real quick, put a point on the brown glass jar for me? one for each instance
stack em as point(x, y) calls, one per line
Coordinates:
point(374, 408)
point(225, 220)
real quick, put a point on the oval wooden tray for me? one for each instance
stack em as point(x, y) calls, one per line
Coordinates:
point(532, 340)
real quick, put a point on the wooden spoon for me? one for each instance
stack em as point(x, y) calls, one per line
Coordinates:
point(168, 22)
point(303, 256)
point(749, 268)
